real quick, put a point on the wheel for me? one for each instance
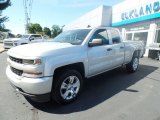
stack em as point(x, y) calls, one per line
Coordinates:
point(67, 86)
point(133, 65)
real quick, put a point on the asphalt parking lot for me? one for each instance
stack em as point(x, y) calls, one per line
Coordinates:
point(114, 95)
point(1, 48)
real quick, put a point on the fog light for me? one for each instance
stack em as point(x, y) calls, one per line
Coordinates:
point(33, 72)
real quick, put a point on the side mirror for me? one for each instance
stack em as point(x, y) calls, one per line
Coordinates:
point(95, 42)
point(31, 38)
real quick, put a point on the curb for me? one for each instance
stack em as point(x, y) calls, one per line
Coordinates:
point(2, 51)
point(1, 48)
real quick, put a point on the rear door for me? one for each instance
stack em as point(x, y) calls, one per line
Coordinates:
point(117, 47)
point(100, 57)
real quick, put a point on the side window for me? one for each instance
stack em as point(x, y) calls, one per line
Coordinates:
point(115, 36)
point(32, 37)
point(37, 36)
point(101, 34)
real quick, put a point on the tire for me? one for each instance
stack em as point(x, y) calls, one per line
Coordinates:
point(67, 86)
point(133, 65)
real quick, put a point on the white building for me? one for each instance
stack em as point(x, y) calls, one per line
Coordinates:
point(97, 17)
point(140, 18)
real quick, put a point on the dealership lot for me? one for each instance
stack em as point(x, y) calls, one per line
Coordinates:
point(1, 48)
point(115, 95)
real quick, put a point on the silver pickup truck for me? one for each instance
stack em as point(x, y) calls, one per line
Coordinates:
point(25, 39)
point(56, 70)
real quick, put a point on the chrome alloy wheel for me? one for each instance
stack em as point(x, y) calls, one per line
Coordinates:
point(135, 63)
point(70, 87)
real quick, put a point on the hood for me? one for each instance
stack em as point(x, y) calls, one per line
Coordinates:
point(12, 39)
point(38, 49)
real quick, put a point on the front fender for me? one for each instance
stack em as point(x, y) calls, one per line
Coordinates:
point(55, 62)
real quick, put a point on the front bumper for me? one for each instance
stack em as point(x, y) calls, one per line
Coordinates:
point(8, 45)
point(38, 98)
point(30, 86)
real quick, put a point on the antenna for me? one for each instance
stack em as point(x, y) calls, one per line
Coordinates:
point(27, 4)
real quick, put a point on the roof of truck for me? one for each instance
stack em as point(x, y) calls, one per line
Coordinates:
point(98, 27)
point(31, 34)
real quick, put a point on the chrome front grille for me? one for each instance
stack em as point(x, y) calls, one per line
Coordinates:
point(8, 44)
point(17, 60)
point(16, 71)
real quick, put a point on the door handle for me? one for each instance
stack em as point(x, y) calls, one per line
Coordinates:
point(121, 47)
point(109, 49)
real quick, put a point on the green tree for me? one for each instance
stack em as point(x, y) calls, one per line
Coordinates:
point(47, 31)
point(56, 30)
point(3, 5)
point(35, 28)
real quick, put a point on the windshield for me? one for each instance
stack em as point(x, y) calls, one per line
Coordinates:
point(75, 37)
point(25, 36)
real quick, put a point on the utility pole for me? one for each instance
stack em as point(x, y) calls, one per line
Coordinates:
point(27, 10)
point(26, 16)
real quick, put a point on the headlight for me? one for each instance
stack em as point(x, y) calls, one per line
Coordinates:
point(34, 68)
point(37, 62)
point(28, 62)
point(32, 62)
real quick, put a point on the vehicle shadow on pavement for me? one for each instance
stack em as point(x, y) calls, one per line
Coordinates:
point(98, 89)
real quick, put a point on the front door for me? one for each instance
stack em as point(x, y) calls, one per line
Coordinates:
point(100, 57)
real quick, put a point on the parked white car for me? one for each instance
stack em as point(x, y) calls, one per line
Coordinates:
point(56, 70)
point(25, 39)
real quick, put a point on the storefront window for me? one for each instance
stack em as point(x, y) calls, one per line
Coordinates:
point(158, 25)
point(157, 36)
point(141, 36)
point(129, 36)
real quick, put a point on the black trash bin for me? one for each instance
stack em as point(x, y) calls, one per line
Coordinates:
point(153, 54)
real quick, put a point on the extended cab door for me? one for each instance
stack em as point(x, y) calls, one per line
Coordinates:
point(117, 46)
point(100, 57)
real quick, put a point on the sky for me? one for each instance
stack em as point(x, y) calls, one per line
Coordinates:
point(50, 12)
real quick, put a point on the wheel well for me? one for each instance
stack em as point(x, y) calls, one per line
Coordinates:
point(76, 66)
point(137, 53)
